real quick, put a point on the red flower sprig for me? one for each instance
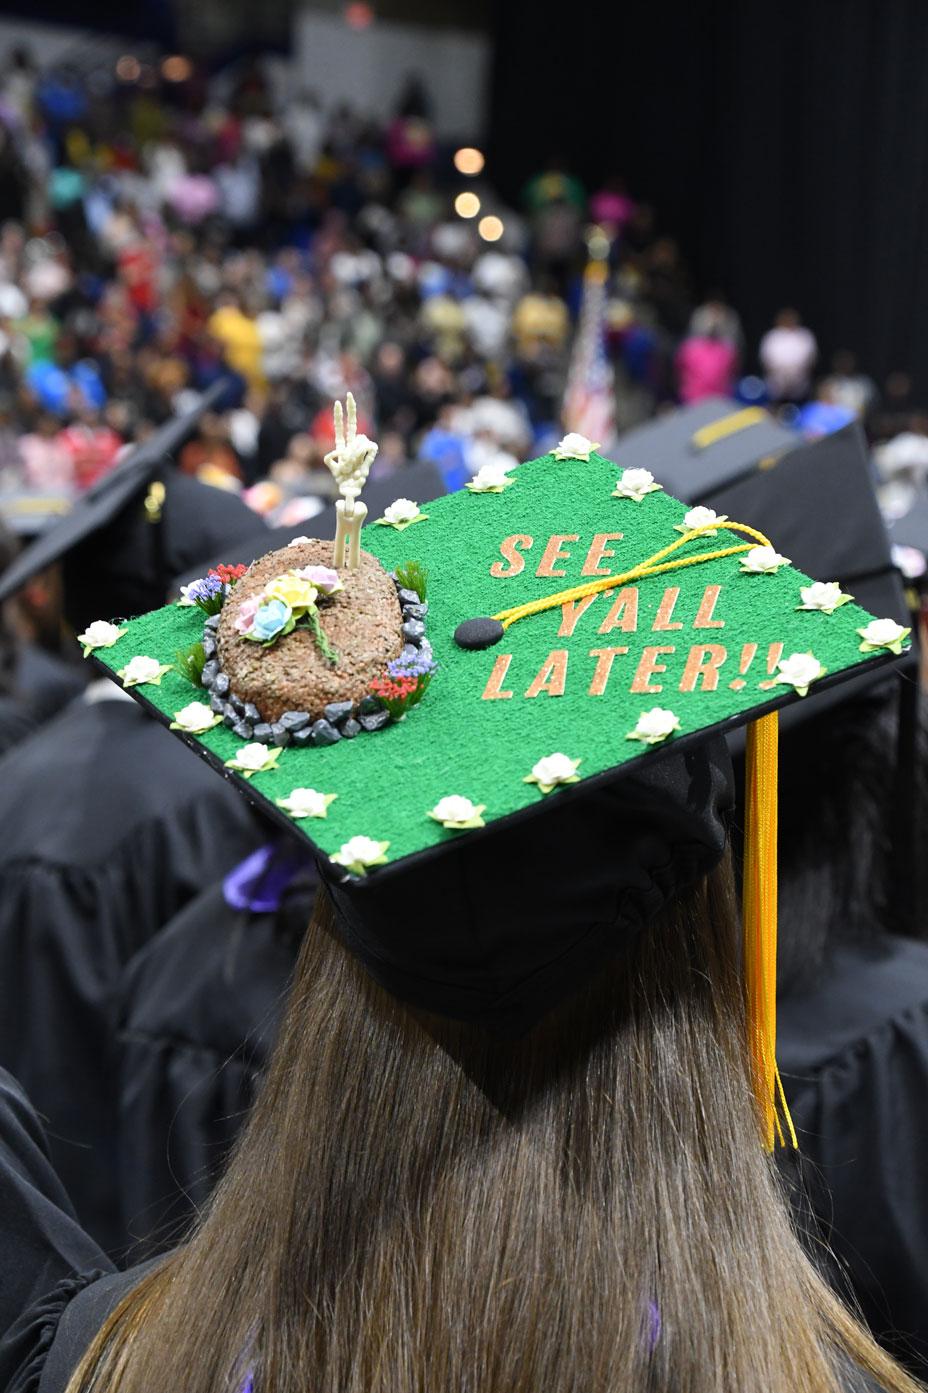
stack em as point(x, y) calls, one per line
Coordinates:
point(398, 694)
point(228, 574)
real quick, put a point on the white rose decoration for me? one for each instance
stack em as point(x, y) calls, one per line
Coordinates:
point(654, 726)
point(883, 633)
point(823, 595)
point(306, 802)
point(195, 718)
point(490, 478)
point(635, 483)
point(359, 853)
point(100, 634)
point(800, 670)
point(141, 670)
point(254, 759)
point(456, 812)
point(297, 542)
point(574, 446)
point(402, 513)
point(763, 561)
point(701, 517)
point(553, 770)
point(185, 599)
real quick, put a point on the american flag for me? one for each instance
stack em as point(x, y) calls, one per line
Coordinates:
point(589, 399)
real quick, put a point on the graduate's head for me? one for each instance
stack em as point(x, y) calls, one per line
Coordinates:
point(513, 1132)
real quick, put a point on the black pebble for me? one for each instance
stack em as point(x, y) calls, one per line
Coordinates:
point(408, 597)
point(210, 673)
point(217, 704)
point(376, 721)
point(243, 729)
point(209, 644)
point(230, 716)
point(369, 705)
point(349, 728)
point(413, 631)
point(302, 738)
point(251, 713)
point(212, 622)
point(338, 711)
point(262, 733)
point(415, 611)
point(280, 735)
point(294, 721)
point(324, 733)
point(478, 633)
point(221, 684)
point(237, 703)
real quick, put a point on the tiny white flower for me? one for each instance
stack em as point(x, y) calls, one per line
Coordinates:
point(654, 726)
point(490, 478)
point(763, 561)
point(141, 670)
point(553, 770)
point(456, 812)
point(195, 718)
point(701, 517)
point(575, 446)
point(298, 541)
point(635, 484)
point(883, 633)
point(185, 595)
point(823, 595)
point(254, 759)
point(360, 852)
point(306, 802)
point(402, 513)
point(800, 670)
point(100, 634)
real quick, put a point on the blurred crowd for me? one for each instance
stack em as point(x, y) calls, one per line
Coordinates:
point(160, 230)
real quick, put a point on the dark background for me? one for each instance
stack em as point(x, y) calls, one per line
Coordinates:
point(784, 145)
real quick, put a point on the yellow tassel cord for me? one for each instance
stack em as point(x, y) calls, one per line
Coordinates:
point(759, 914)
point(728, 425)
point(760, 841)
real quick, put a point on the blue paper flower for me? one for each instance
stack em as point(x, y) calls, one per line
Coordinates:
point(270, 620)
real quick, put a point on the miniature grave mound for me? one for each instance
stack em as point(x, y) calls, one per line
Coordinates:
point(357, 632)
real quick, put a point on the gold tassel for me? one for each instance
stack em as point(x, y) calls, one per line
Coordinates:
point(759, 913)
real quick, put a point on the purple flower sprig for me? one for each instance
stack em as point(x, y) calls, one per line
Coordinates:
point(422, 665)
point(208, 593)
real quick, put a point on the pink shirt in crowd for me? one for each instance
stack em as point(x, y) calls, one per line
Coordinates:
point(705, 368)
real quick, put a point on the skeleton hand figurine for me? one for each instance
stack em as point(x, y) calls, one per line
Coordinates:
point(350, 464)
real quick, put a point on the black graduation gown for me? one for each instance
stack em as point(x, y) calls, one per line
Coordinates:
point(201, 1004)
point(42, 685)
point(853, 1053)
point(109, 827)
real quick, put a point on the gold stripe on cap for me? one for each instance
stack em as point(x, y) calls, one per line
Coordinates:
point(727, 425)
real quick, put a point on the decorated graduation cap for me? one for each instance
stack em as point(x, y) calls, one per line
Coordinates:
point(141, 525)
point(697, 450)
point(505, 704)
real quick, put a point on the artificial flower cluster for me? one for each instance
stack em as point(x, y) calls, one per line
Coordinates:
point(404, 684)
point(210, 592)
point(287, 601)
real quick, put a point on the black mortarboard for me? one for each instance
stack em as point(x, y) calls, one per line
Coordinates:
point(142, 524)
point(699, 449)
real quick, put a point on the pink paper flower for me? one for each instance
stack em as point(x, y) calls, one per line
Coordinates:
point(246, 615)
point(323, 577)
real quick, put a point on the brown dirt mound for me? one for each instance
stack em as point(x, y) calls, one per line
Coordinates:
point(362, 622)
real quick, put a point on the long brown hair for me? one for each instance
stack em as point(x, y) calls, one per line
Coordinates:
point(417, 1207)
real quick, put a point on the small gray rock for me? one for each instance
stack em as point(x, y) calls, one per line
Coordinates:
point(230, 716)
point(294, 721)
point(221, 684)
point(251, 713)
point(409, 651)
point(413, 631)
point(210, 673)
point(243, 729)
point(408, 597)
point(302, 738)
point(237, 703)
point(209, 644)
point(350, 728)
point(280, 736)
point(415, 611)
point(376, 721)
point(217, 705)
point(212, 622)
point(324, 733)
point(262, 733)
point(369, 705)
point(338, 711)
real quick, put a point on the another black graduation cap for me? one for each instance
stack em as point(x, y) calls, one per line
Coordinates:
point(699, 449)
point(141, 525)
